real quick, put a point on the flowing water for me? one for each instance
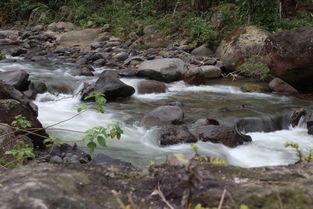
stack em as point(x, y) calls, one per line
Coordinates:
point(223, 101)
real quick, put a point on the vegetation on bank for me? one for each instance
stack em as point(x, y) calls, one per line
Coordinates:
point(200, 20)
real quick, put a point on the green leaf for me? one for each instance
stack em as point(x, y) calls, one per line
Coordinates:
point(101, 141)
point(91, 146)
point(82, 108)
point(99, 108)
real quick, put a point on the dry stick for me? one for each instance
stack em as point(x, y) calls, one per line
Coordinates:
point(222, 200)
point(160, 193)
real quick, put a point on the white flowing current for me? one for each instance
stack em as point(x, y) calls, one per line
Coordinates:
point(138, 145)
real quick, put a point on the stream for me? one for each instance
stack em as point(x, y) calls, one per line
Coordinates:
point(221, 100)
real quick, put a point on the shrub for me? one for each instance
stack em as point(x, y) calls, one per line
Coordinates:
point(202, 31)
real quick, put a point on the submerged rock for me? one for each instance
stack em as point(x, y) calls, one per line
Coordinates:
point(16, 78)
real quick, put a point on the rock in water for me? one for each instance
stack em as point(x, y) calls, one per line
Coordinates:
point(164, 115)
point(280, 86)
point(149, 86)
point(110, 85)
point(221, 134)
point(289, 55)
point(16, 78)
point(170, 135)
point(167, 70)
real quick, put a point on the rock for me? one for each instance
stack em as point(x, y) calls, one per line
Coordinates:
point(132, 36)
point(164, 115)
point(110, 85)
point(7, 42)
point(127, 73)
point(58, 86)
point(289, 56)
point(154, 41)
point(206, 121)
point(56, 159)
point(7, 141)
point(99, 62)
point(239, 45)
point(296, 116)
point(38, 28)
point(35, 87)
point(210, 71)
point(16, 78)
point(121, 56)
point(87, 35)
point(82, 71)
point(194, 76)
point(167, 70)
point(280, 86)
point(170, 135)
point(17, 52)
point(130, 59)
point(8, 34)
point(70, 154)
point(61, 27)
point(220, 134)
point(106, 28)
point(10, 108)
point(150, 29)
point(150, 86)
point(202, 51)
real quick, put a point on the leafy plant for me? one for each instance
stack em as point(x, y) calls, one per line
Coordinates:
point(53, 141)
point(2, 56)
point(20, 122)
point(99, 98)
point(100, 134)
point(204, 159)
point(20, 153)
point(202, 31)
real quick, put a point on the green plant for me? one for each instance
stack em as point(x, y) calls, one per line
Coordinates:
point(204, 159)
point(2, 56)
point(202, 31)
point(100, 134)
point(20, 153)
point(20, 121)
point(302, 157)
point(99, 98)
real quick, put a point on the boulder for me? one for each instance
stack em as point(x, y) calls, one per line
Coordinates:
point(167, 69)
point(17, 52)
point(280, 86)
point(221, 134)
point(154, 41)
point(202, 51)
point(110, 85)
point(150, 29)
point(164, 115)
point(211, 71)
point(239, 45)
point(289, 56)
point(16, 78)
point(61, 27)
point(170, 135)
point(87, 35)
point(150, 86)
point(10, 108)
point(194, 76)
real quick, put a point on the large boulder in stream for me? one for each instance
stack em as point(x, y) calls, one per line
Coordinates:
point(16, 78)
point(228, 136)
point(167, 69)
point(164, 115)
point(289, 55)
point(110, 85)
point(150, 86)
point(280, 86)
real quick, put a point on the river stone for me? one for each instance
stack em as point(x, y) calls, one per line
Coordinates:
point(280, 86)
point(211, 71)
point(167, 69)
point(110, 85)
point(16, 78)
point(150, 86)
point(10, 108)
point(170, 135)
point(17, 52)
point(194, 76)
point(61, 27)
point(221, 134)
point(202, 51)
point(289, 56)
point(87, 35)
point(164, 115)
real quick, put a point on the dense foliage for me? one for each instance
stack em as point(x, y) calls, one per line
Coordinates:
point(185, 18)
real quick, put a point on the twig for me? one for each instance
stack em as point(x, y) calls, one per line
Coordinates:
point(160, 193)
point(222, 200)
